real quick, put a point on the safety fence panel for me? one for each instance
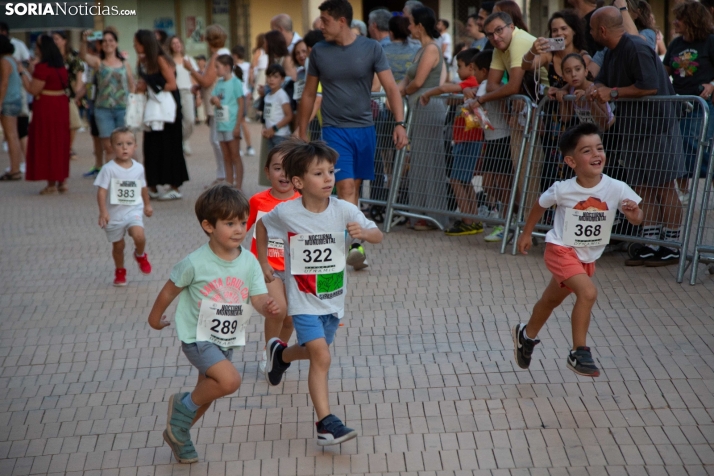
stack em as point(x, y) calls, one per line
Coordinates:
point(453, 170)
point(704, 243)
point(375, 192)
point(652, 144)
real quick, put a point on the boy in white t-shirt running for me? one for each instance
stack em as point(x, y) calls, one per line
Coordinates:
point(585, 210)
point(123, 198)
point(278, 112)
point(314, 230)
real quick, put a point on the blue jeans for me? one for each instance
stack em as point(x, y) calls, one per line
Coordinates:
point(690, 126)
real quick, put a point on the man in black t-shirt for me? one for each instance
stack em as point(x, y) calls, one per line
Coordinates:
point(648, 142)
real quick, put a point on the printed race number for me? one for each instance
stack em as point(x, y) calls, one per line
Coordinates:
point(223, 114)
point(223, 324)
point(583, 228)
point(125, 192)
point(322, 253)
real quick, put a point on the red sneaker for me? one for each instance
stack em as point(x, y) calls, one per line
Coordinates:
point(143, 262)
point(120, 277)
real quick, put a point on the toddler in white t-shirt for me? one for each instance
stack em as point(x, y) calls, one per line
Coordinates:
point(585, 210)
point(123, 198)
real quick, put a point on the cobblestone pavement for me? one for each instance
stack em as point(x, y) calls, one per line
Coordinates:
point(423, 367)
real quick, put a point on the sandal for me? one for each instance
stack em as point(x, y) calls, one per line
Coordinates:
point(62, 188)
point(48, 190)
point(10, 177)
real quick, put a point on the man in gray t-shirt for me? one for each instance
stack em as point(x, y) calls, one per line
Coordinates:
point(345, 65)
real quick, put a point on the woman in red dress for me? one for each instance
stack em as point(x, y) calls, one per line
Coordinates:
point(48, 138)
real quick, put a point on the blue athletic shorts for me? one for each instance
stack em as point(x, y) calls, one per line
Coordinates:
point(310, 327)
point(466, 155)
point(356, 146)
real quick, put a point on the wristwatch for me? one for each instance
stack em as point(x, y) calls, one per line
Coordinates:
point(402, 123)
point(623, 9)
point(275, 128)
point(614, 93)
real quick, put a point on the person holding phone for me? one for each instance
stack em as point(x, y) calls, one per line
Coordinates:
point(567, 36)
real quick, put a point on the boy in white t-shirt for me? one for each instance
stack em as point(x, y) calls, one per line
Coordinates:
point(278, 112)
point(123, 198)
point(314, 229)
point(585, 210)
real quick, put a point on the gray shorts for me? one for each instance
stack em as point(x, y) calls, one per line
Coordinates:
point(279, 274)
point(225, 136)
point(204, 355)
point(116, 230)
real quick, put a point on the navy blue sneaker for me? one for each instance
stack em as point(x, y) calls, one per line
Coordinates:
point(275, 367)
point(522, 346)
point(331, 431)
point(581, 362)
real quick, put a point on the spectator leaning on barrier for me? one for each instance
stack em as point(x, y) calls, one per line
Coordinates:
point(345, 64)
point(647, 136)
point(378, 25)
point(427, 162)
point(690, 62)
point(284, 24)
point(510, 45)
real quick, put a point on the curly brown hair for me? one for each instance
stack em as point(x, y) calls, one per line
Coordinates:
point(695, 19)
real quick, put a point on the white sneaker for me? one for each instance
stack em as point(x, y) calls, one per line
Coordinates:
point(250, 152)
point(495, 236)
point(171, 195)
point(187, 149)
point(154, 195)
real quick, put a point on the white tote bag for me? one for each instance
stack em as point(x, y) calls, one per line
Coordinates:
point(136, 104)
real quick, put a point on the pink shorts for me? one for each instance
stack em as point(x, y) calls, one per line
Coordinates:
point(564, 263)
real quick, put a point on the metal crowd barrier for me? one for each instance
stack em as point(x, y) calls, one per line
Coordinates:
point(468, 176)
point(375, 192)
point(651, 142)
point(704, 243)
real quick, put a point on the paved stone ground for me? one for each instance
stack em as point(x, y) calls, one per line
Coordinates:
point(423, 367)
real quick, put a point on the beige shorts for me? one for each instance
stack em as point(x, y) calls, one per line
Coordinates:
point(116, 230)
point(74, 120)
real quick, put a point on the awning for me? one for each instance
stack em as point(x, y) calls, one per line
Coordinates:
point(31, 16)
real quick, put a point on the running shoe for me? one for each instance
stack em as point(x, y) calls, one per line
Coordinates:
point(93, 172)
point(663, 257)
point(263, 361)
point(275, 368)
point(522, 346)
point(356, 257)
point(461, 229)
point(643, 254)
point(331, 431)
point(143, 262)
point(495, 236)
point(171, 195)
point(179, 419)
point(183, 453)
point(120, 277)
point(581, 362)
point(250, 152)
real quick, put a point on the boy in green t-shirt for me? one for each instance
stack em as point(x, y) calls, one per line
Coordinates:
point(218, 285)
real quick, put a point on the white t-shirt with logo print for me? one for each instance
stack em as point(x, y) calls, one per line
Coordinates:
point(273, 112)
point(112, 170)
point(607, 195)
point(313, 294)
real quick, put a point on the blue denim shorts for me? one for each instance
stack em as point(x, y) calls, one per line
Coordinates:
point(204, 355)
point(11, 109)
point(309, 327)
point(108, 119)
point(466, 155)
